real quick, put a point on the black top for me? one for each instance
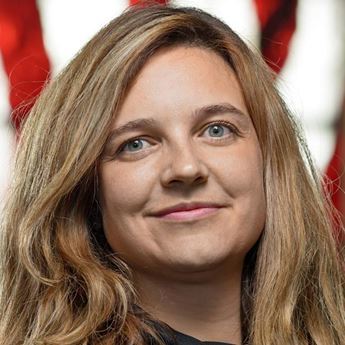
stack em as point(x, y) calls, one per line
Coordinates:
point(183, 339)
point(173, 337)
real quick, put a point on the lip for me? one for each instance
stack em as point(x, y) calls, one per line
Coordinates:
point(194, 214)
point(188, 211)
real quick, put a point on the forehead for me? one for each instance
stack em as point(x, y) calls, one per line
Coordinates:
point(179, 80)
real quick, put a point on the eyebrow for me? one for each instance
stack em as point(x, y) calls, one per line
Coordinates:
point(198, 115)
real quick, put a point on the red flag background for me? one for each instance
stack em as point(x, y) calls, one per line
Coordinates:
point(300, 40)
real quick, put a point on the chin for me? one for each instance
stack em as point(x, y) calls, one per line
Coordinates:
point(207, 264)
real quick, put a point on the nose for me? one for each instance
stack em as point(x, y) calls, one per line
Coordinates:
point(183, 166)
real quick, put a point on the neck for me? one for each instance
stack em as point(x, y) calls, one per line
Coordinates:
point(207, 309)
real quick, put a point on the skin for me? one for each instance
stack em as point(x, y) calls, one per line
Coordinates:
point(187, 272)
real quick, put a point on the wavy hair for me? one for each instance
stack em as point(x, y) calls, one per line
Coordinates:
point(60, 282)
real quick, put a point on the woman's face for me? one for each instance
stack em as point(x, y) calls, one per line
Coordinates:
point(182, 190)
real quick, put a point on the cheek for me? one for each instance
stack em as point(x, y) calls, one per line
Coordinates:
point(241, 176)
point(124, 190)
point(125, 187)
point(241, 171)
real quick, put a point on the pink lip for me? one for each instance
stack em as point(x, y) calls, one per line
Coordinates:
point(183, 207)
point(191, 214)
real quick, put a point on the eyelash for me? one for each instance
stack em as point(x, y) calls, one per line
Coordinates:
point(233, 129)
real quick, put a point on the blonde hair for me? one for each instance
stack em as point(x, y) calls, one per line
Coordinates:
point(61, 284)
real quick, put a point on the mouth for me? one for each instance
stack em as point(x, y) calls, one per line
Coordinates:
point(188, 212)
point(190, 215)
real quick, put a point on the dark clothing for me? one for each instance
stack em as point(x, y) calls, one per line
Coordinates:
point(173, 337)
point(183, 339)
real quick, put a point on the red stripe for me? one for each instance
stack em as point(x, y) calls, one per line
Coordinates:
point(336, 172)
point(278, 22)
point(146, 2)
point(24, 57)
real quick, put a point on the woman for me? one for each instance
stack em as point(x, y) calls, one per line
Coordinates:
point(163, 194)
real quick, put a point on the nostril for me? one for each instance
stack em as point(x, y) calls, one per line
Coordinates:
point(200, 179)
point(191, 181)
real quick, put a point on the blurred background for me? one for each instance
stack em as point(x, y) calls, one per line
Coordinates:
point(302, 40)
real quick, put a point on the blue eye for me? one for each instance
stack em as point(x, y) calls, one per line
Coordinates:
point(134, 145)
point(218, 130)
